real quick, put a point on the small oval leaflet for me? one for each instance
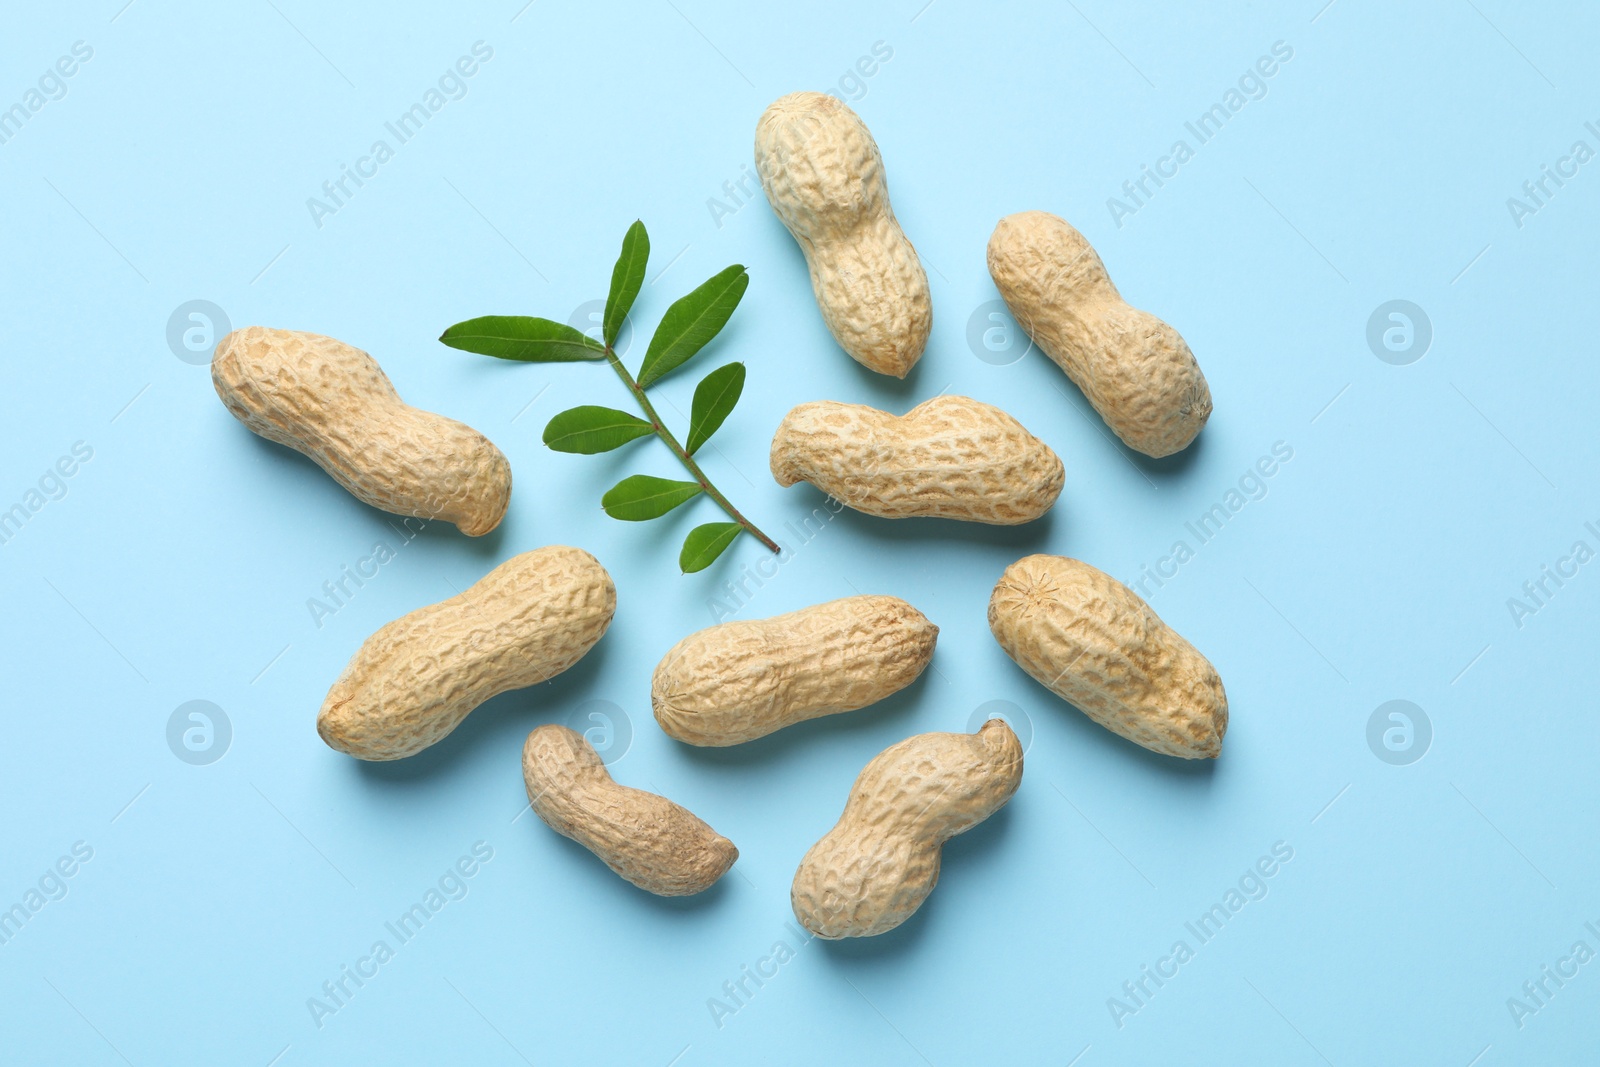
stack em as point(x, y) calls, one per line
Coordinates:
point(693, 321)
point(523, 338)
point(589, 429)
point(643, 496)
point(626, 279)
point(714, 399)
point(705, 543)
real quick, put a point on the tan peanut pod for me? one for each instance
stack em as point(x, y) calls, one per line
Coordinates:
point(1135, 369)
point(1092, 641)
point(657, 845)
point(333, 403)
point(823, 176)
point(874, 869)
point(950, 458)
point(414, 680)
point(738, 681)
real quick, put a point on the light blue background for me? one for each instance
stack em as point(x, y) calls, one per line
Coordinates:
point(1378, 566)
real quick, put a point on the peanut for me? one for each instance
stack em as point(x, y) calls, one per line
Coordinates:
point(657, 845)
point(738, 681)
point(823, 176)
point(879, 863)
point(414, 680)
point(1135, 369)
point(1091, 640)
point(334, 403)
point(950, 457)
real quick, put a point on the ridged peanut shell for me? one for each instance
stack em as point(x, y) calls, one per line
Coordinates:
point(1135, 369)
point(333, 403)
point(738, 681)
point(874, 869)
point(657, 845)
point(1092, 641)
point(951, 457)
point(414, 680)
point(823, 176)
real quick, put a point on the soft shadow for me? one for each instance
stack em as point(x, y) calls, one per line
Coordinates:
point(1028, 535)
point(900, 390)
point(605, 888)
point(488, 548)
point(899, 942)
point(971, 850)
point(1173, 466)
point(1113, 747)
point(499, 724)
point(1167, 467)
point(862, 722)
point(884, 385)
point(303, 468)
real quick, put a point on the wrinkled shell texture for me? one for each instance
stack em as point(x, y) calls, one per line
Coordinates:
point(657, 845)
point(1092, 641)
point(738, 681)
point(950, 458)
point(1135, 369)
point(823, 176)
point(334, 403)
point(876, 867)
point(414, 680)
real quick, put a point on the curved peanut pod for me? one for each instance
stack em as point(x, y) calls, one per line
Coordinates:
point(1091, 640)
point(876, 867)
point(823, 176)
point(657, 845)
point(414, 680)
point(1135, 369)
point(738, 681)
point(950, 458)
point(333, 403)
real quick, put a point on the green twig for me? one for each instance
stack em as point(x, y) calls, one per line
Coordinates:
point(682, 453)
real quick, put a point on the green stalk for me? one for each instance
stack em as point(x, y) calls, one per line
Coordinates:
point(683, 454)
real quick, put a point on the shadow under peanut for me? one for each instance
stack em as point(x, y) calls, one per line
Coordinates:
point(1092, 742)
point(1171, 467)
point(295, 482)
point(600, 886)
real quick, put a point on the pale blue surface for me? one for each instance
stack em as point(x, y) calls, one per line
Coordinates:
point(178, 565)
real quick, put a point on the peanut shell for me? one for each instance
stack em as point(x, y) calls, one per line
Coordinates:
point(657, 845)
point(1092, 641)
point(874, 869)
point(738, 681)
point(950, 458)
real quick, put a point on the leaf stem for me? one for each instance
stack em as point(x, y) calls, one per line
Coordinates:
point(682, 453)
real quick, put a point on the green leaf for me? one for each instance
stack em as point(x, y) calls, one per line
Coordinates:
point(589, 429)
point(626, 278)
point(643, 497)
point(691, 322)
point(714, 398)
point(524, 338)
point(705, 543)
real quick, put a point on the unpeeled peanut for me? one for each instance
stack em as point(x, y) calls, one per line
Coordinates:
point(1091, 640)
point(823, 175)
point(875, 868)
point(414, 680)
point(950, 457)
point(738, 681)
point(333, 403)
point(657, 845)
point(1135, 369)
